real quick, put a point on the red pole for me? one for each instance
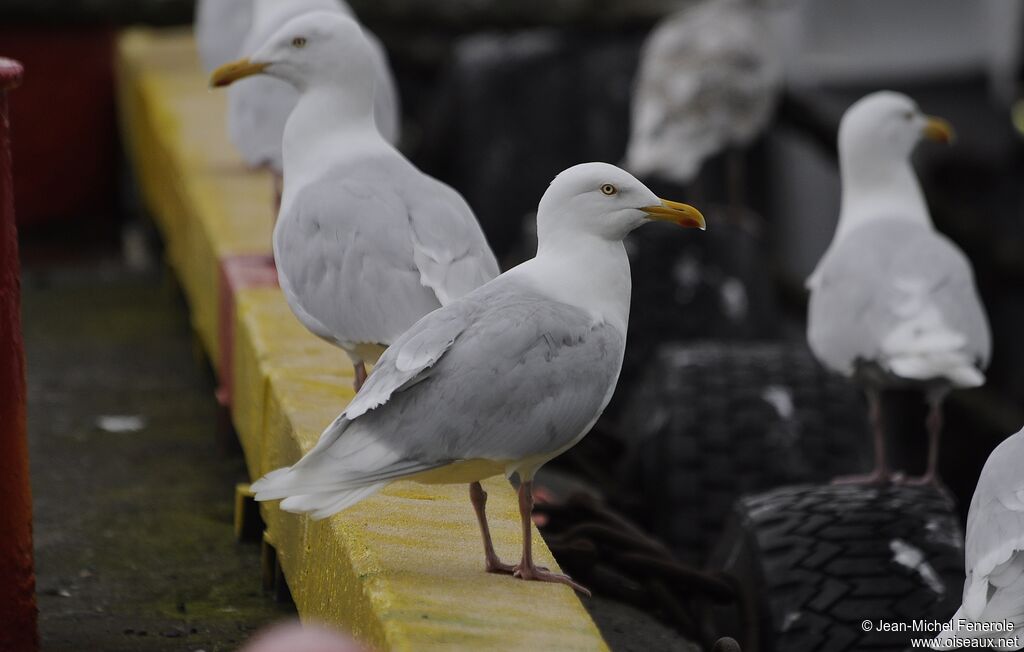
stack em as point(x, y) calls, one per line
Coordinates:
point(18, 631)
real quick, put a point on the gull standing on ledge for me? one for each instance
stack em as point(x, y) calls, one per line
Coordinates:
point(365, 243)
point(994, 553)
point(502, 380)
point(893, 301)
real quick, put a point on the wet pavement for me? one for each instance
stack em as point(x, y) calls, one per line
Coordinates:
point(133, 488)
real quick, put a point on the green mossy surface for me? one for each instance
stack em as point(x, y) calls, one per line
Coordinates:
point(134, 539)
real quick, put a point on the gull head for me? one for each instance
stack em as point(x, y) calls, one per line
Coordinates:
point(887, 126)
point(318, 47)
point(603, 200)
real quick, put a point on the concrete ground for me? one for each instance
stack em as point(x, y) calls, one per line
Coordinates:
point(133, 494)
point(133, 486)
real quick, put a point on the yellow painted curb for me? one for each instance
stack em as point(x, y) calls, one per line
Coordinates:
point(402, 570)
point(207, 204)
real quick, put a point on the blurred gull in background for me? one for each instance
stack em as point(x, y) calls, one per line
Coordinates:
point(709, 79)
point(365, 243)
point(221, 26)
point(994, 556)
point(893, 301)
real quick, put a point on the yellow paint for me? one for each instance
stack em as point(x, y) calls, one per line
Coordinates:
point(243, 492)
point(270, 342)
point(402, 570)
point(206, 203)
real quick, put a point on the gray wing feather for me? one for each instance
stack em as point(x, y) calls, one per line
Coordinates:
point(503, 374)
point(416, 350)
point(346, 262)
point(888, 275)
point(376, 246)
point(450, 249)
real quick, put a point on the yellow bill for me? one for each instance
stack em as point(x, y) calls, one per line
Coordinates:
point(672, 211)
point(232, 72)
point(938, 130)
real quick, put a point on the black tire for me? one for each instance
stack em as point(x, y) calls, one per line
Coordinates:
point(713, 421)
point(815, 562)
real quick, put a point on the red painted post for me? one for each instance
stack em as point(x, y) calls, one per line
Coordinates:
point(18, 631)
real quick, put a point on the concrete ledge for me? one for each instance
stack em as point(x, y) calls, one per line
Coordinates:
point(206, 203)
point(236, 273)
point(402, 570)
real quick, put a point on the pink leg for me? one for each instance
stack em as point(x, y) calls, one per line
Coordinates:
point(478, 497)
point(360, 375)
point(526, 568)
point(881, 473)
point(934, 424)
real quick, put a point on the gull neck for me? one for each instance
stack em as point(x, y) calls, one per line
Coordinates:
point(327, 126)
point(879, 190)
point(586, 271)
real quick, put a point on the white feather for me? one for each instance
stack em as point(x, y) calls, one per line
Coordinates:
point(708, 79)
point(994, 559)
point(322, 505)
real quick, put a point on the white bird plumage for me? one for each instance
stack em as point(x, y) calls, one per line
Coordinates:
point(220, 27)
point(994, 551)
point(258, 107)
point(365, 243)
point(893, 302)
point(709, 78)
point(503, 379)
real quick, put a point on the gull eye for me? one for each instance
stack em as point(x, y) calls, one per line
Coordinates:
point(609, 189)
point(299, 42)
point(909, 115)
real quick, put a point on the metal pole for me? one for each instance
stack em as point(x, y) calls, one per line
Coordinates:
point(18, 632)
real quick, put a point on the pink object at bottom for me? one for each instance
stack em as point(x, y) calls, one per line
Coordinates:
point(293, 637)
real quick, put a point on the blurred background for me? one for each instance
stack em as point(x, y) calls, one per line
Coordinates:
point(731, 105)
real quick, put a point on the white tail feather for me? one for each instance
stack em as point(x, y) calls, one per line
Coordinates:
point(956, 367)
point(322, 505)
point(923, 347)
point(346, 465)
